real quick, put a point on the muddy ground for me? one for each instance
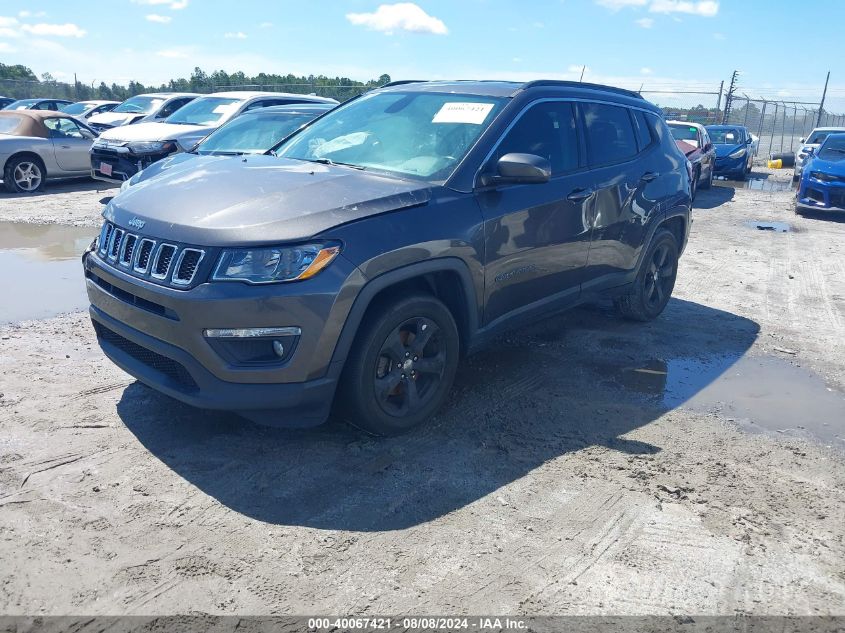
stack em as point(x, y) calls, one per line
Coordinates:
point(695, 464)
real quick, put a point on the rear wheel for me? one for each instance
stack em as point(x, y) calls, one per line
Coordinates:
point(401, 367)
point(655, 281)
point(24, 175)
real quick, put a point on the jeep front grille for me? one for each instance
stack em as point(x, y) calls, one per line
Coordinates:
point(145, 257)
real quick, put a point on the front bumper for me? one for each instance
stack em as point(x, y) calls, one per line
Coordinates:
point(123, 165)
point(821, 196)
point(155, 333)
point(729, 165)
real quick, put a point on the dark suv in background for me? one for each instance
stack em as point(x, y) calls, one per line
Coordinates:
point(359, 260)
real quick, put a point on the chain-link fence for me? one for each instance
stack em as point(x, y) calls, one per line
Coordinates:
point(696, 106)
point(780, 125)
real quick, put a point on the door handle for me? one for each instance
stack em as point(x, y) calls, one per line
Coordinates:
point(64, 146)
point(579, 195)
point(648, 176)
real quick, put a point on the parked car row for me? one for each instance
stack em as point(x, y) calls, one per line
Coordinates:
point(715, 150)
point(37, 144)
point(351, 264)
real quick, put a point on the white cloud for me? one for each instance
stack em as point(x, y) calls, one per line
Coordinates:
point(265, 25)
point(9, 27)
point(718, 36)
point(235, 36)
point(516, 60)
point(160, 19)
point(645, 23)
point(645, 70)
point(616, 5)
point(705, 8)
point(175, 5)
point(539, 25)
point(57, 30)
point(402, 16)
point(30, 14)
point(6, 22)
point(576, 68)
point(7, 48)
point(172, 54)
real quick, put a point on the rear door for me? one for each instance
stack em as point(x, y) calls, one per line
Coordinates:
point(71, 144)
point(619, 144)
point(536, 235)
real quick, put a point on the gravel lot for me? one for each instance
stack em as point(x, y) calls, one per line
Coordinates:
point(586, 465)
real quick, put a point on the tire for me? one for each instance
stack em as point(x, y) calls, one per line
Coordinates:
point(24, 175)
point(392, 382)
point(709, 182)
point(649, 296)
point(694, 184)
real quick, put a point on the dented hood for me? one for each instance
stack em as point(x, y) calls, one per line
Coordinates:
point(245, 200)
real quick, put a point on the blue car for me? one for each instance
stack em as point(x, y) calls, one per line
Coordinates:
point(822, 184)
point(733, 150)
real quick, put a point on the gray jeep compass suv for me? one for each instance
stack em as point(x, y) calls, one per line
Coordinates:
point(353, 265)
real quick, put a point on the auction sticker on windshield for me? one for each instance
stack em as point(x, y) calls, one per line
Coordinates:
point(460, 112)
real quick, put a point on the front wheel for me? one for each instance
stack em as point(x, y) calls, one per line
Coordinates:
point(709, 182)
point(694, 184)
point(401, 367)
point(655, 280)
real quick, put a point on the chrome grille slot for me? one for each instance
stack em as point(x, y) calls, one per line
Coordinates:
point(145, 252)
point(114, 243)
point(105, 236)
point(128, 249)
point(186, 266)
point(162, 261)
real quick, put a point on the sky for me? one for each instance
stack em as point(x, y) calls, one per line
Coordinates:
point(657, 44)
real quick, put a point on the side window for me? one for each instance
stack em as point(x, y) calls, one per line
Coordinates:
point(63, 128)
point(644, 137)
point(548, 130)
point(610, 135)
point(263, 103)
point(44, 105)
point(171, 107)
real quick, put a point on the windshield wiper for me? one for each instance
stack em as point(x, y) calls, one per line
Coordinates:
point(329, 161)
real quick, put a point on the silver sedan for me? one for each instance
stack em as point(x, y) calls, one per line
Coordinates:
point(36, 145)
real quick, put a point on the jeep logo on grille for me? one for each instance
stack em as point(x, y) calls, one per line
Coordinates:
point(136, 223)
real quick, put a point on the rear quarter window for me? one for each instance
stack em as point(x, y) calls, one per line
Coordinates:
point(610, 134)
point(645, 136)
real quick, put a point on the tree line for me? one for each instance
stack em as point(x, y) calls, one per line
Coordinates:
point(20, 82)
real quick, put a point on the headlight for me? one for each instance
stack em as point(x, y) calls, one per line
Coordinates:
point(818, 175)
point(738, 153)
point(150, 147)
point(274, 263)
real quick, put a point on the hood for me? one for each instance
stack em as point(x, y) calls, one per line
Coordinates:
point(114, 118)
point(249, 200)
point(686, 148)
point(723, 149)
point(181, 160)
point(185, 135)
point(831, 167)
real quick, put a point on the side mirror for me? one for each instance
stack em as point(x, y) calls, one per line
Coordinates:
point(708, 147)
point(749, 141)
point(802, 139)
point(520, 169)
point(811, 151)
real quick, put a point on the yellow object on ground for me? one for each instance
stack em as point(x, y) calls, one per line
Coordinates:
point(776, 164)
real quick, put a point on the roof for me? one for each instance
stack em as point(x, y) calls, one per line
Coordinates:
point(252, 94)
point(826, 127)
point(97, 102)
point(689, 123)
point(168, 95)
point(719, 126)
point(496, 88)
point(294, 108)
point(30, 122)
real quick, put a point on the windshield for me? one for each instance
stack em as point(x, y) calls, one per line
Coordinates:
point(22, 104)
point(205, 111)
point(818, 136)
point(684, 133)
point(253, 133)
point(76, 108)
point(418, 134)
point(833, 148)
point(725, 136)
point(139, 105)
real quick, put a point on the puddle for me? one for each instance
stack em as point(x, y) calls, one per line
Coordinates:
point(40, 271)
point(757, 184)
point(775, 227)
point(762, 394)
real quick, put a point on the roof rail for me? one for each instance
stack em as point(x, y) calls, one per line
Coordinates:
point(402, 82)
point(581, 84)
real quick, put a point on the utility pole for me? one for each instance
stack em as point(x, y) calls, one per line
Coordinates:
point(821, 105)
point(729, 97)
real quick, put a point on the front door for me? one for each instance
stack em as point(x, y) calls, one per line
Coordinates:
point(537, 235)
point(71, 144)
